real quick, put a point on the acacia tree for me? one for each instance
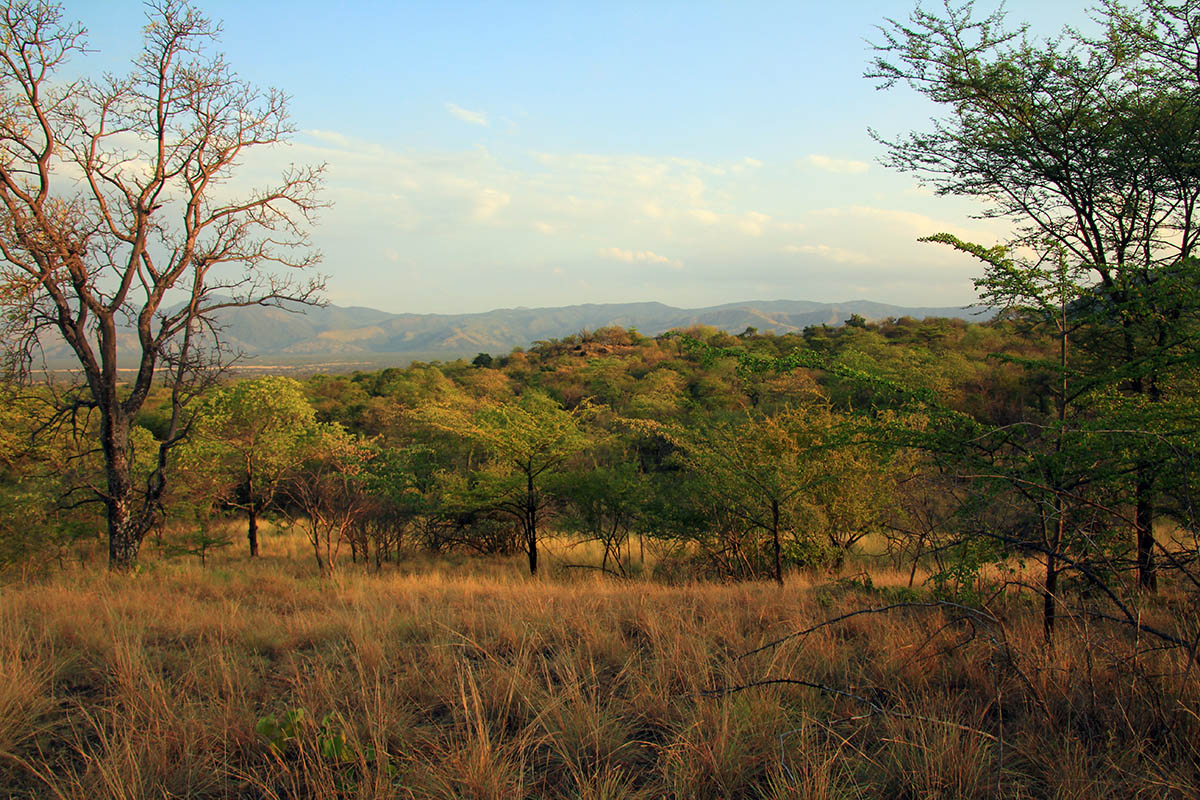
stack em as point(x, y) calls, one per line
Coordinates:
point(603, 500)
point(759, 469)
point(526, 439)
point(326, 493)
point(120, 229)
point(1091, 148)
point(252, 434)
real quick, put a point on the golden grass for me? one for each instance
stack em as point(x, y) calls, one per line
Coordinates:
point(469, 680)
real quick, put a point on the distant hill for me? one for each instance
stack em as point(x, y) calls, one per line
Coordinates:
point(335, 335)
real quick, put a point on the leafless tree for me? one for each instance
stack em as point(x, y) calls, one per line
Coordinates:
point(123, 233)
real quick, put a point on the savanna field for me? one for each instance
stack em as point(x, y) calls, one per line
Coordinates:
point(466, 678)
point(614, 566)
point(870, 551)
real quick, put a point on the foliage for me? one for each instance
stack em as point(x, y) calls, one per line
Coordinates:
point(1089, 147)
point(246, 440)
point(525, 439)
point(326, 494)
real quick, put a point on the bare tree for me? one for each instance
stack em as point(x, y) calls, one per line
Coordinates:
point(121, 231)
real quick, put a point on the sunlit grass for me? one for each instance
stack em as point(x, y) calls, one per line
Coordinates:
point(464, 678)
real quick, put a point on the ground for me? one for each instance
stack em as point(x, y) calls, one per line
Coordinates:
point(464, 678)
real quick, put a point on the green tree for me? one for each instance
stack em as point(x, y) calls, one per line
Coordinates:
point(327, 493)
point(759, 469)
point(526, 439)
point(1091, 148)
point(1049, 456)
point(46, 503)
point(604, 497)
point(114, 238)
point(252, 434)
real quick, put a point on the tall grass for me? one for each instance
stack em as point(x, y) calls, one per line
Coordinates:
point(449, 680)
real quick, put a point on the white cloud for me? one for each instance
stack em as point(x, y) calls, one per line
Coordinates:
point(836, 165)
point(751, 223)
point(640, 256)
point(330, 137)
point(837, 255)
point(913, 223)
point(543, 227)
point(473, 117)
point(488, 202)
point(754, 223)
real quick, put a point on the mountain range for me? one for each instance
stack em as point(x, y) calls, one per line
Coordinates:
point(351, 336)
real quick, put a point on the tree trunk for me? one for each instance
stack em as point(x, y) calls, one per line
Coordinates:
point(126, 528)
point(1146, 386)
point(531, 542)
point(531, 522)
point(1144, 521)
point(1049, 598)
point(124, 536)
point(775, 538)
point(252, 532)
point(1050, 586)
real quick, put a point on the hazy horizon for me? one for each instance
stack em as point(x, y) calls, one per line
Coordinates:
point(745, 302)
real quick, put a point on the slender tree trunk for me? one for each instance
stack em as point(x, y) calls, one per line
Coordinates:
point(1050, 585)
point(1144, 520)
point(916, 562)
point(252, 532)
point(322, 548)
point(531, 544)
point(775, 538)
point(1146, 386)
point(1049, 597)
point(316, 543)
point(531, 523)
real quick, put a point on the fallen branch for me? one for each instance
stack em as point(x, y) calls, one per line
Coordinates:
point(968, 610)
point(833, 690)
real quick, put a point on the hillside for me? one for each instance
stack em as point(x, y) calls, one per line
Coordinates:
point(332, 336)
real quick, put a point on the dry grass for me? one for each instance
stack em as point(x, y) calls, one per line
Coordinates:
point(468, 680)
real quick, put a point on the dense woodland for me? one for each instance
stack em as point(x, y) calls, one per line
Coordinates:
point(939, 443)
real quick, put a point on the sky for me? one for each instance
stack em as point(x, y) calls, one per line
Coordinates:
point(507, 154)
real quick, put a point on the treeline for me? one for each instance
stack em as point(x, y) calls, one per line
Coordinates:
point(940, 441)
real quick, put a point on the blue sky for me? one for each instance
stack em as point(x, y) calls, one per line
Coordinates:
point(487, 155)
